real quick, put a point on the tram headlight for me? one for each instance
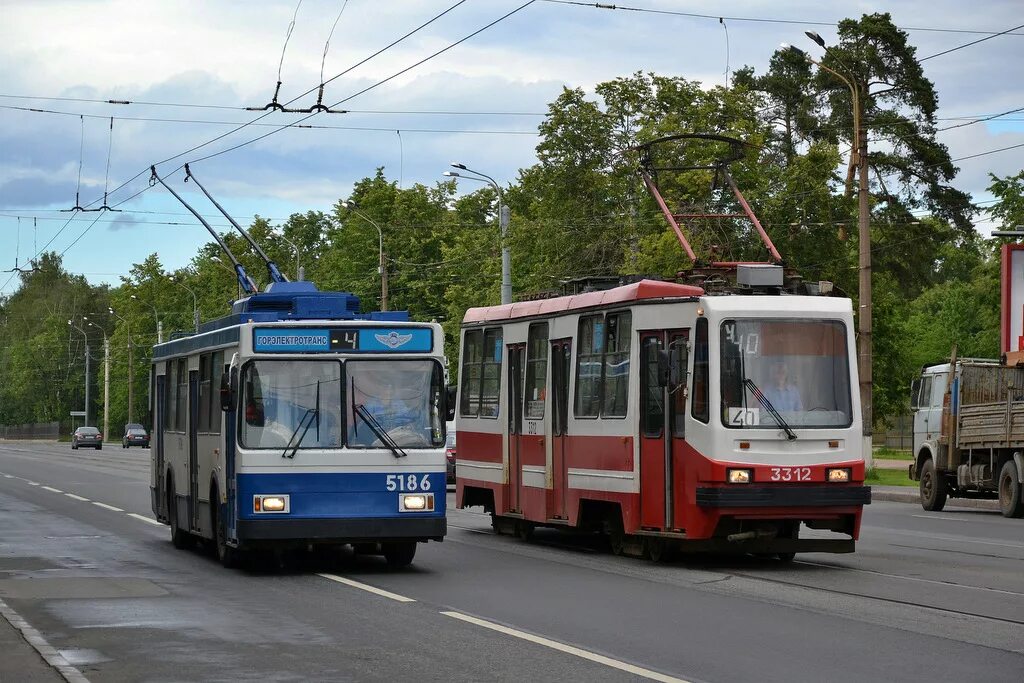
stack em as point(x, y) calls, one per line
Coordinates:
point(416, 502)
point(739, 476)
point(838, 475)
point(278, 503)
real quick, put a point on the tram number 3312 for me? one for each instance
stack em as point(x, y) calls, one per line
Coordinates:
point(408, 482)
point(791, 474)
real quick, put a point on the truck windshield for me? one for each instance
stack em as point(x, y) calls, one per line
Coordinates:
point(278, 394)
point(801, 368)
point(404, 397)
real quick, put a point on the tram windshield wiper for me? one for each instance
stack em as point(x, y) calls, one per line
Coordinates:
point(378, 429)
point(767, 405)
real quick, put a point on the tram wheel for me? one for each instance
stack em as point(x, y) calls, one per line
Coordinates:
point(399, 554)
point(524, 530)
point(657, 549)
point(785, 557)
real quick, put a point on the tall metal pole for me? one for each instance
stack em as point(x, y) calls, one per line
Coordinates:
point(131, 359)
point(351, 206)
point(72, 324)
point(106, 388)
point(503, 220)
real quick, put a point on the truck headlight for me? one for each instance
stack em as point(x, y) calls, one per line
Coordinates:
point(416, 502)
point(838, 475)
point(739, 476)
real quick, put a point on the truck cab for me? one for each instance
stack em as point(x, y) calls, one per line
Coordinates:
point(926, 396)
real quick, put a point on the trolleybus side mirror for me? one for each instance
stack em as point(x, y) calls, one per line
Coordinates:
point(228, 389)
point(451, 392)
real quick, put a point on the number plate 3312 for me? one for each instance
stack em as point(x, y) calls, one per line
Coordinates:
point(791, 474)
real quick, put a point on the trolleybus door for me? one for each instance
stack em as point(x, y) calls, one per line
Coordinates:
point(515, 424)
point(157, 434)
point(193, 449)
point(655, 478)
point(561, 352)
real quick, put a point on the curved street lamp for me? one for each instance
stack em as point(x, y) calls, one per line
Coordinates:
point(354, 208)
point(131, 359)
point(503, 219)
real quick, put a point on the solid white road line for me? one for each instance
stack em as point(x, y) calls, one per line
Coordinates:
point(367, 588)
point(71, 495)
point(45, 650)
point(568, 649)
point(107, 507)
point(50, 488)
point(33, 483)
point(143, 518)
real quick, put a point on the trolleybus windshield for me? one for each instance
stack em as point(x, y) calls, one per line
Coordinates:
point(801, 368)
point(403, 396)
point(279, 395)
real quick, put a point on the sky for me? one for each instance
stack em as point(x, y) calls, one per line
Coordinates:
point(478, 103)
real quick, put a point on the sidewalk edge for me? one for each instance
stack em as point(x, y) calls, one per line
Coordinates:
point(45, 650)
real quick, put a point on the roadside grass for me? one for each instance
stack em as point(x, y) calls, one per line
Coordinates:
point(884, 453)
point(886, 477)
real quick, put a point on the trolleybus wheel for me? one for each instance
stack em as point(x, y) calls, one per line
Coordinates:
point(180, 538)
point(399, 554)
point(933, 487)
point(785, 557)
point(1011, 496)
point(227, 555)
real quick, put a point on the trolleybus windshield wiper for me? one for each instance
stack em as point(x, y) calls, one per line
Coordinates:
point(311, 413)
point(378, 429)
point(763, 400)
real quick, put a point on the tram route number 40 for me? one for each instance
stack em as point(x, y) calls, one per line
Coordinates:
point(408, 482)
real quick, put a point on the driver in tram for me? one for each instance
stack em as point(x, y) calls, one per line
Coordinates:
point(780, 392)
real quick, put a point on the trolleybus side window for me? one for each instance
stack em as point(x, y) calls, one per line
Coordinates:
point(216, 370)
point(653, 413)
point(204, 392)
point(491, 383)
point(181, 402)
point(701, 373)
point(616, 365)
point(536, 371)
point(170, 387)
point(472, 368)
point(588, 366)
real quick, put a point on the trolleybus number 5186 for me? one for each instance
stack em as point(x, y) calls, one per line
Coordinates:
point(408, 482)
point(791, 474)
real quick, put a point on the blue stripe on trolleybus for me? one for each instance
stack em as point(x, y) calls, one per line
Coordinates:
point(341, 495)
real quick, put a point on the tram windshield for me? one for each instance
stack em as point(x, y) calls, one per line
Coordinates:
point(288, 400)
point(785, 373)
point(402, 396)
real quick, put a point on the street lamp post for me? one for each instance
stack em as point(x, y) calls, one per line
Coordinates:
point(503, 219)
point(195, 305)
point(131, 359)
point(234, 275)
point(156, 317)
point(106, 378)
point(72, 324)
point(299, 275)
point(353, 207)
point(864, 322)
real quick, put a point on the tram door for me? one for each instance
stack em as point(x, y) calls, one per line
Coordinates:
point(561, 354)
point(515, 424)
point(193, 448)
point(662, 413)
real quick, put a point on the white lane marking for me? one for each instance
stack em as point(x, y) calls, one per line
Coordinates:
point(50, 488)
point(367, 588)
point(143, 518)
point(984, 520)
point(107, 507)
point(33, 483)
point(946, 537)
point(45, 650)
point(948, 584)
point(7, 476)
point(71, 495)
point(568, 649)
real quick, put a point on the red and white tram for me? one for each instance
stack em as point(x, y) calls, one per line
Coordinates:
point(667, 418)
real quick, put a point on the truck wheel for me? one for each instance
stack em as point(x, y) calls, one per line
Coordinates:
point(933, 488)
point(1011, 502)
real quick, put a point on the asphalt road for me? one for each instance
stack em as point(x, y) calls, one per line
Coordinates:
point(925, 596)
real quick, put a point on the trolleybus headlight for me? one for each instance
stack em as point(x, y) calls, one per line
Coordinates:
point(838, 474)
point(416, 502)
point(270, 503)
point(739, 476)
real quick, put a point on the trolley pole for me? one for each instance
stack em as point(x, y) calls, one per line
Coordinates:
point(106, 388)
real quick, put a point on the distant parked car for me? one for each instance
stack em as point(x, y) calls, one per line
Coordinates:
point(86, 436)
point(135, 435)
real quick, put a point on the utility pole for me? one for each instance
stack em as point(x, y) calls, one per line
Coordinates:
point(84, 334)
point(503, 219)
point(106, 388)
point(159, 331)
point(131, 359)
point(383, 284)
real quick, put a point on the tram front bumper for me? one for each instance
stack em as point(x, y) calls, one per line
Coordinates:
point(746, 496)
point(343, 530)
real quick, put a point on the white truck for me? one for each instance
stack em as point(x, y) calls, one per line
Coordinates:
point(969, 433)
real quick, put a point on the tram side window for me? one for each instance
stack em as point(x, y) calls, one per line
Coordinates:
point(491, 384)
point(472, 354)
point(616, 365)
point(182, 396)
point(653, 415)
point(536, 371)
point(701, 373)
point(588, 366)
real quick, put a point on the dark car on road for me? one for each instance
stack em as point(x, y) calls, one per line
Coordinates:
point(86, 436)
point(135, 435)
